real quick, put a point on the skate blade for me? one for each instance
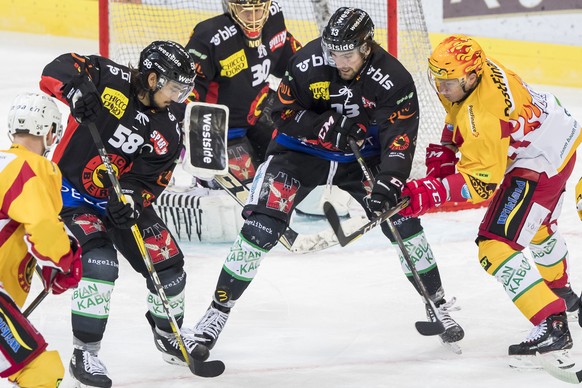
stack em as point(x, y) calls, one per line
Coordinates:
point(560, 359)
point(572, 316)
point(452, 346)
point(173, 360)
point(78, 384)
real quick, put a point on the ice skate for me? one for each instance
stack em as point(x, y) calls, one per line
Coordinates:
point(209, 327)
point(453, 331)
point(572, 301)
point(87, 370)
point(168, 345)
point(550, 338)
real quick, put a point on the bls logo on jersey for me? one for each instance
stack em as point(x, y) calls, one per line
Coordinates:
point(223, 34)
point(383, 80)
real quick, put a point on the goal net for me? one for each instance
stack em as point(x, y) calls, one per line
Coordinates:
point(127, 26)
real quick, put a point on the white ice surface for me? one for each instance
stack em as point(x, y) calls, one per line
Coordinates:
point(343, 317)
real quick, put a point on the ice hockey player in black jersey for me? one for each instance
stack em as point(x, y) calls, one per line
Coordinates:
point(340, 86)
point(137, 114)
point(240, 56)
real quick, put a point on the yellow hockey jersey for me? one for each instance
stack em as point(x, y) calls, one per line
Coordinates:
point(30, 227)
point(504, 124)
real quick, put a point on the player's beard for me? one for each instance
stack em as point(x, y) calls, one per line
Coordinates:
point(346, 73)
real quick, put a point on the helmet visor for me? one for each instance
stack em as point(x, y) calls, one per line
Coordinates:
point(337, 58)
point(175, 91)
point(441, 85)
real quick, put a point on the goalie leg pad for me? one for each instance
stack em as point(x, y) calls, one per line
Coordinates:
point(91, 299)
point(521, 281)
point(20, 342)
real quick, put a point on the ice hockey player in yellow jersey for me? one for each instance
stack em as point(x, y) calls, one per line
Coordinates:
point(31, 234)
point(517, 147)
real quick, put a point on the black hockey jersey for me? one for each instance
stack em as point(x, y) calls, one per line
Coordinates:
point(382, 97)
point(142, 143)
point(233, 74)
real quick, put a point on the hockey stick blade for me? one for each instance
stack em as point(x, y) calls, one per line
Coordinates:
point(567, 375)
point(334, 221)
point(430, 328)
point(206, 368)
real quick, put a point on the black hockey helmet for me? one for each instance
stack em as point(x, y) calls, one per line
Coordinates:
point(170, 61)
point(347, 29)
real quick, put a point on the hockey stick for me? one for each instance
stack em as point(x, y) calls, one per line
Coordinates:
point(293, 241)
point(425, 328)
point(567, 375)
point(39, 298)
point(199, 368)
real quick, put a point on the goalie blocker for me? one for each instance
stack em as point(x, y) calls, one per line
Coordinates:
point(205, 139)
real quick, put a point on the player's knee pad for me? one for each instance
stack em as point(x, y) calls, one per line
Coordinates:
point(173, 279)
point(550, 253)
point(45, 371)
point(20, 342)
point(258, 235)
point(406, 226)
point(262, 230)
point(424, 261)
point(91, 299)
point(521, 280)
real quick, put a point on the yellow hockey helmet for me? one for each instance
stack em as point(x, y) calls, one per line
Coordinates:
point(456, 57)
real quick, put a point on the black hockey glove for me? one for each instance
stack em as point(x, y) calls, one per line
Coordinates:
point(385, 194)
point(336, 130)
point(83, 98)
point(122, 215)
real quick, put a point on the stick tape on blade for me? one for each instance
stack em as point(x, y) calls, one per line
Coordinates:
point(205, 128)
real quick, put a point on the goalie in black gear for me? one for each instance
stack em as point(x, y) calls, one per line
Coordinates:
point(138, 113)
point(341, 86)
point(252, 31)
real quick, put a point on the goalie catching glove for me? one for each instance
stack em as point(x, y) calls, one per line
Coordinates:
point(83, 98)
point(385, 194)
point(425, 194)
point(67, 274)
point(336, 129)
point(440, 161)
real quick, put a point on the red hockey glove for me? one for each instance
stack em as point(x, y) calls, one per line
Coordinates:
point(440, 161)
point(336, 129)
point(424, 194)
point(60, 281)
point(83, 98)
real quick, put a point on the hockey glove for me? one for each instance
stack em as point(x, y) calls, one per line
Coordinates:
point(579, 198)
point(336, 129)
point(385, 194)
point(83, 98)
point(440, 161)
point(59, 281)
point(122, 215)
point(425, 194)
